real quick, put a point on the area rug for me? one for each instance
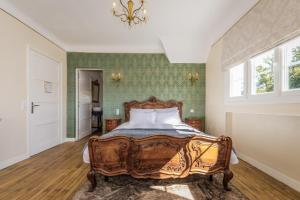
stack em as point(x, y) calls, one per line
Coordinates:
point(195, 187)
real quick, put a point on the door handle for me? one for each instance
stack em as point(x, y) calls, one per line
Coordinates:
point(33, 106)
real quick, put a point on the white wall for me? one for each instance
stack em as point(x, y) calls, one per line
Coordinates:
point(15, 38)
point(265, 135)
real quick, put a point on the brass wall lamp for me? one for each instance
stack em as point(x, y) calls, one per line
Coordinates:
point(116, 77)
point(193, 77)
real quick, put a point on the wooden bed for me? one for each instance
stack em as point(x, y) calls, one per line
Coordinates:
point(159, 156)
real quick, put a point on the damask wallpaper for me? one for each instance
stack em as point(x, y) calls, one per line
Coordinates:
point(143, 75)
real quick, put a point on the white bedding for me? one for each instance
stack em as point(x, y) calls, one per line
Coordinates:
point(148, 129)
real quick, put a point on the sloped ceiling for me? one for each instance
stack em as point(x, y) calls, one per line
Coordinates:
point(183, 29)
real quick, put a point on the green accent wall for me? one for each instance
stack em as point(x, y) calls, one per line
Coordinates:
point(143, 75)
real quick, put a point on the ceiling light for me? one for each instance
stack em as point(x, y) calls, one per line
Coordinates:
point(130, 13)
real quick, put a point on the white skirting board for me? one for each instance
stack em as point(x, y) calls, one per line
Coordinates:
point(11, 161)
point(70, 139)
point(16, 159)
point(272, 172)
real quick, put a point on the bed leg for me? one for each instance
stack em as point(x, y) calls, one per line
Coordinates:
point(210, 178)
point(228, 175)
point(92, 178)
point(106, 178)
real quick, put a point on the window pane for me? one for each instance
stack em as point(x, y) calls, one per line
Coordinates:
point(292, 65)
point(237, 81)
point(263, 73)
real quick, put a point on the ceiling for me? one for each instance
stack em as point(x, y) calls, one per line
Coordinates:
point(182, 29)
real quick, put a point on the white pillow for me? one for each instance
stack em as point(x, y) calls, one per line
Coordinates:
point(170, 117)
point(166, 109)
point(141, 110)
point(142, 117)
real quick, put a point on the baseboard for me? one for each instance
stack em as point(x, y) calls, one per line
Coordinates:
point(272, 172)
point(84, 134)
point(11, 161)
point(70, 139)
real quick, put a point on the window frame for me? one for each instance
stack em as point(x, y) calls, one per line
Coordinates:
point(280, 94)
point(286, 91)
point(244, 81)
point(267, 96)
point(228, 86)
point(252, 80)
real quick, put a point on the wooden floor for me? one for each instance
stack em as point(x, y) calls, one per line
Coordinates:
point(57, 173)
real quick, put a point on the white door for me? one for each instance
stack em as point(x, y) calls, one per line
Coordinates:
point(44, 95)
point(84, 104)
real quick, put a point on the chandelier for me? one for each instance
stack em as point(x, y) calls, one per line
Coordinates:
point(130, 13)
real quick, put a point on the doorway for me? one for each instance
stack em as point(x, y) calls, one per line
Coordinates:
point(89, 102)
point(44, 99)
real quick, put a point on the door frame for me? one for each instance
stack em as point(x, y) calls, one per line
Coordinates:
point(27, 104)
point(77, 96)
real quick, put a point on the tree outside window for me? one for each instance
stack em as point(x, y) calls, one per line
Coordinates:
point(263, 73)
point(294, 69)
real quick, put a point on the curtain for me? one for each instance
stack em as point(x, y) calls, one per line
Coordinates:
point(266, 25)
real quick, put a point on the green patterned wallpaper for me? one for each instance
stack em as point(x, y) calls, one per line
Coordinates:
point(143, 75)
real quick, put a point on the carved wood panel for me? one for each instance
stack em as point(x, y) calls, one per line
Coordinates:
point(204, 155)
point(109, 156)
point(159, 156)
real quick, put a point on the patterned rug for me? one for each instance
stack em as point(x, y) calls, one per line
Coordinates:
point(195, 187)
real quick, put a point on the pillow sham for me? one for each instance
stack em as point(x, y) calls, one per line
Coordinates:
point(170, 117)
point(142, 117)
point(141, 110)
point(166, 109)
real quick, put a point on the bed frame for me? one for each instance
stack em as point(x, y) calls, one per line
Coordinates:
point(159, 156)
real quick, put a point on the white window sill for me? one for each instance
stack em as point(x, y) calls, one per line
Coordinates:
point(266, 98)
point(293, 92)
point(235, 99)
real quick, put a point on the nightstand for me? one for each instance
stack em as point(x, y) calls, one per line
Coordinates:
point(112, 123)
point(196, 123)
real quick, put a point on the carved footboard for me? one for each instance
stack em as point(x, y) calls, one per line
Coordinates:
point(160, 157)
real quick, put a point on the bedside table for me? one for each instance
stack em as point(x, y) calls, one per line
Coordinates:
point(112, 123)
point(196, 123)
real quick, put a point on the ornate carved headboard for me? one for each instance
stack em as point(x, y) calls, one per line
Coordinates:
point(151, 103)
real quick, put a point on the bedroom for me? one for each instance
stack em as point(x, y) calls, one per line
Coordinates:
point(211, 64)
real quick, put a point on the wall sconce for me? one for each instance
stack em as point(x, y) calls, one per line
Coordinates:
point(193, 77)
point(116, 76)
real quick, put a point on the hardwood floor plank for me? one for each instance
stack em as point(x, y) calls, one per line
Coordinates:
point(53, 174)
point(255, 184)
point(58, 172)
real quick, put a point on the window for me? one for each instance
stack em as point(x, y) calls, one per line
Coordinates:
point(236, 75)
point(262, 70)
point(291, 65)
point(270, 77)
